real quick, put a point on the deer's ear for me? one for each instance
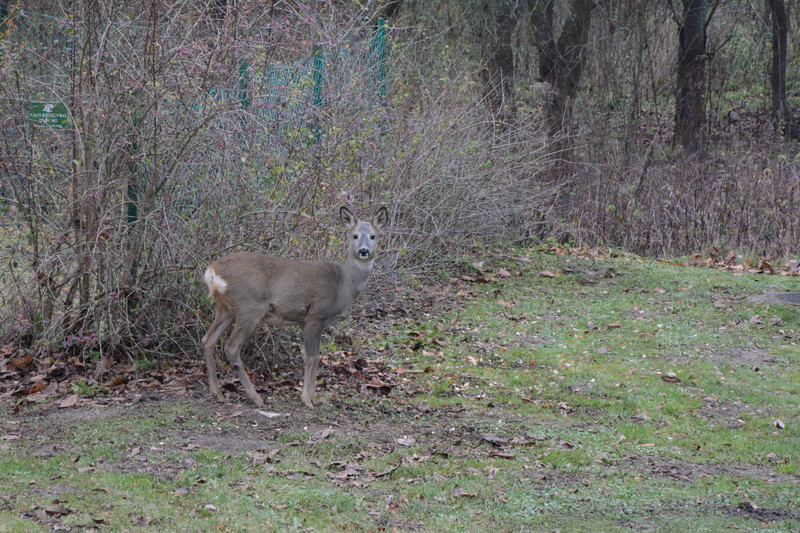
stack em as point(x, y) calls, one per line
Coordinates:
point(347, 218)
point(381, 218)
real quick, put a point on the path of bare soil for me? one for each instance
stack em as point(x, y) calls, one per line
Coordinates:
point(239, 428)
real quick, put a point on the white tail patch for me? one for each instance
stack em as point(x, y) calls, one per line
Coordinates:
point(215, 282)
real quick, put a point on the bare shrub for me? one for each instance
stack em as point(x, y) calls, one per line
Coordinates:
point(194, 135)
point(743, 200)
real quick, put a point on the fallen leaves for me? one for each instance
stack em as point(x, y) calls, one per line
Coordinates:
point(458, 492)
point(57, 510)
point(78, 382)
point(72, 381)
point(714, 258)
point(549, 274)
point(69, 401)
point(322, 434)
point(494, 440)
point(731, 261)
point(347, 470)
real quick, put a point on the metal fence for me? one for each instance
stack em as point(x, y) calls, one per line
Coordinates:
point(282, 97)
point(275, 108)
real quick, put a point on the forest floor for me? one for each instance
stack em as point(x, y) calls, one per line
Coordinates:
point(535, 390)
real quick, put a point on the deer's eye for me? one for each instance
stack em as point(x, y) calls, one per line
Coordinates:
point(372, 237)
point(355, 237)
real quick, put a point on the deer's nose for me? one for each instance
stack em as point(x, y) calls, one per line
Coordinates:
point(364, 252)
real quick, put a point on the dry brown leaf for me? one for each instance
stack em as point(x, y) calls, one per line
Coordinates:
point(57, 510)
point(322, 434)
point(548, 274)
point(22, 362)
point(494, 440)
point(37, 387)
point(458, 492)
point(502, 455)
point(178, 385)
point(406, 441)
point(69, 401)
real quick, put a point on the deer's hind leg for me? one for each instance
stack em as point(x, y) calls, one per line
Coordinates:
point(222, 320)
point(242, 328)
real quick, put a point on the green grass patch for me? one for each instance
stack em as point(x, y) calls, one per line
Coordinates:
point(541, 392)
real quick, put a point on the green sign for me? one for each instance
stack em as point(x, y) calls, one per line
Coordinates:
point(54, 116)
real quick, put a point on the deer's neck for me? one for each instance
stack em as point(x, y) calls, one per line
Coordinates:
point(355, 274)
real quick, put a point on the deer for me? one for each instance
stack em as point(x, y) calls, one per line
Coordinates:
point(250, 288)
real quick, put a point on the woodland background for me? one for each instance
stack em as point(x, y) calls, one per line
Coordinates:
point(663, 128)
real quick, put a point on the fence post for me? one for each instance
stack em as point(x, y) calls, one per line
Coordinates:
point(133, 173)
point(318, 80)
point(244, 79)
point(379, 49)
point(319, 74)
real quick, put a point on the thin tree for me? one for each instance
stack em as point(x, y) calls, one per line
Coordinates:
point(499, 23)
point(560, 57)
point(781, 114)
point(690, 110)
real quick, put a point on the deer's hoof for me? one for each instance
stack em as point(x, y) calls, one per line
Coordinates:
point(258, 401)
point(218, 396)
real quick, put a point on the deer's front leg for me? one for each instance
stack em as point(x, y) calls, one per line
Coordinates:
point(311, 335)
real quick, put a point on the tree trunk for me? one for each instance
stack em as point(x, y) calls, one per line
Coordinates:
point(781, 117)
point(690, 113)
point(561, 58)
point(498, 73)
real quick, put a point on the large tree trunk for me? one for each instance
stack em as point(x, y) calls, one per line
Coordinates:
point(498, 73)
point(781, 116)
point(560, 58)
point(690, 112)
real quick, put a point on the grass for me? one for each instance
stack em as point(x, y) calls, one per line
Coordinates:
point(575, 392)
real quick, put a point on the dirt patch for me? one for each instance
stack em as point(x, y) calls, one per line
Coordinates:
point(765, 515)
point(753, 357)
point(656, 465)
point(790, 298)
point(731, 414)
point(240, 428)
